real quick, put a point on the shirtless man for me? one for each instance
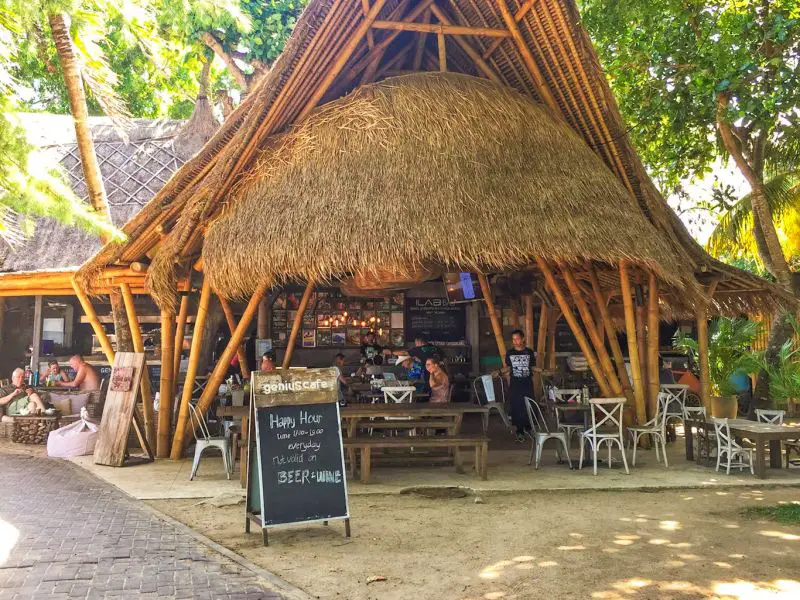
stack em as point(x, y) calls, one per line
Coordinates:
point(87, 379)
point(20, 399)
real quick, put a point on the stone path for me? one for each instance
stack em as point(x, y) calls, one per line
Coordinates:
point(77, 537)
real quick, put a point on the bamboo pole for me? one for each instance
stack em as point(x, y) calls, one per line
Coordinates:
point(262, 321)
point(298, 320)
point(138, 346)
point(552, 323)
point(528, 300)
point(191, 370)
point(641, 342)
point(440, 43)
point(483, 67)
point(216, 377)
point(497, 328)
point(594, 365)
point(541, 342)
point(440, 28)
point(633, 348)
point(226, 308)
point(702, 355)
point(97, 327)
point(611, 331)
point(594, 335)
point(420, 46)
point(180, 334)
point(654, 383)
point(165, 403)
point(520, 14)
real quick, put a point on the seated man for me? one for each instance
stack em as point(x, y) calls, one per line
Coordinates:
point(87, 378)
point(18, 399)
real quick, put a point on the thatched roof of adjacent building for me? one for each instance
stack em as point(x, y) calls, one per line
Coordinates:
point(535, 47)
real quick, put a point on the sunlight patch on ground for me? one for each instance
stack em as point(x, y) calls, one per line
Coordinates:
point(750, 590)
point(578, 547)
point(8, 539)
point(669, 525)
point(658, 542)
point(548, 563)
point(789, 537)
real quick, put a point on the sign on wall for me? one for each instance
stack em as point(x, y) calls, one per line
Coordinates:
point(435, 320)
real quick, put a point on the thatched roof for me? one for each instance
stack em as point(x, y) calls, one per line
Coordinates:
point(428, 167)
point(550, 60)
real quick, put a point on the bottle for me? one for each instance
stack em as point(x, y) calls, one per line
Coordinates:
point(585, 394)
point(28, 375)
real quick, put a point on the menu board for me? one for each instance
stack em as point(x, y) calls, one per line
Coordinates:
point(298, 475)
point(435, 320)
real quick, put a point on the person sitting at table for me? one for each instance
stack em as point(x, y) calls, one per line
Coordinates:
point(267, 363)
point(369, 346)
point(87, 379)
point(54, 374)
point(18, 399)
point(413, 368)
point(376, 368)
point(338, 365)
point(438, 380)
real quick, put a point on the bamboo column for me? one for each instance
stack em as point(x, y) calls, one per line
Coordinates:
point(210, 392)
point(497, 328)
point(138, 346)
point(583, 343)
point(552, 323)
point(654, 383)
point(226, 308)
point(180, 334)
point(298, 320)
point(641, 341)
point(611, 333)
point(541, 341)
point(633, 348)
point(529, 318)
point(165, 403)
point(702, 346)
point(191, 371)
point(97, 326)
point(262, 320)
point(591, 329)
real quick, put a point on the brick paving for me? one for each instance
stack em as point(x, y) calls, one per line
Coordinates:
point(81, 538)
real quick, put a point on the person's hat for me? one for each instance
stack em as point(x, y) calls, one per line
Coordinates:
point(401, 358)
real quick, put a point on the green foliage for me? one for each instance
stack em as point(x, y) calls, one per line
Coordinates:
point(782, 513)
point(784, 373)
point(668, 60)
point(729, 351)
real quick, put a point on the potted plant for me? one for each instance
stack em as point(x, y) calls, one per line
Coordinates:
point(783, 374)
point(730, 359)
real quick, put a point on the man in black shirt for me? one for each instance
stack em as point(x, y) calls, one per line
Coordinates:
point(421, 352)
point(519, 366)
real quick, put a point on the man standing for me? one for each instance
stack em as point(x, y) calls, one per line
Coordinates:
point(519, 366)
point(86, 377)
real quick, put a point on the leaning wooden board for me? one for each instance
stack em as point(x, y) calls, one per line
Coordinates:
point(118, 412)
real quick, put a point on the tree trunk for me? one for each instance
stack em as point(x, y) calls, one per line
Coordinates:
point(80, 114)
point(780, 266)
point(122, 329)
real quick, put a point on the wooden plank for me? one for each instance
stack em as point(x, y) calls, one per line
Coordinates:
point(112, 441)
point(37, 332)
point(142, 319)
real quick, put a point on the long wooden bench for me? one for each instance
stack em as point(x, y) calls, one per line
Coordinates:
point(479, 442)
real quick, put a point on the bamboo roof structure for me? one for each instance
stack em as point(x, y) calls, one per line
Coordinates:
point(537, 48)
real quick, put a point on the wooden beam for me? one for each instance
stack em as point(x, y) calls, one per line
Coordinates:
point(633, 347)
point(441, 28)
point(370, 37)
point(36, 347)
point(583, 343)
point(528, 302)
point(552, 322)
point(262, 320)
point(591, 329)
point(442, 52)
point(180, 334)
point(527, 57)
point(138, 346)
point(420, 47)
point(654, 383)
point(702, 346)
point(298, 320)
point(165, 403)
point(191, 371)
point(520, 14)
point(497, 327)
point(97, 327)
point(216, 377)
point(226, 309)
point(541, 346)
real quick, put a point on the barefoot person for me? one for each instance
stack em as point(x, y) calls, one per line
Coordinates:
point(519, 364)
point(19, 400)
point(86, 379)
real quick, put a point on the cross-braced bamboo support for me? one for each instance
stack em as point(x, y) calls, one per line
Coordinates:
point(226, 309)
point(97, 326)
point(497, 328)
point(633, 347)
point(191, 371)
point(138, 346)
point(180, 332)
point(298, 321)
point(654, 383)
point(216, 377)
point(166, 395)
point(583, 343)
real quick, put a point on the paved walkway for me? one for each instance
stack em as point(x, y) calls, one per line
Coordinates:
point(65, 534)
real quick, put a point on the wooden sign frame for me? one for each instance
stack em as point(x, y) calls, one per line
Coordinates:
point(119, 413)
point(254, 458)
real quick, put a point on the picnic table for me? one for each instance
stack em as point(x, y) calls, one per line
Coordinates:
point(760, 434)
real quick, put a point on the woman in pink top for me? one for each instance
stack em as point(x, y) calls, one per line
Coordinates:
point(439, 382)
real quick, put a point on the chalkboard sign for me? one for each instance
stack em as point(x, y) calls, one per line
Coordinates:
point(435, 320)
point(296, 462)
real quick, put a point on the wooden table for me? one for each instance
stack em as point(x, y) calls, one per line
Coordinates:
point(586, 409)
point(760, 434)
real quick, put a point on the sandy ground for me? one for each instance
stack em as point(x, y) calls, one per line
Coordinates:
point(669, 544)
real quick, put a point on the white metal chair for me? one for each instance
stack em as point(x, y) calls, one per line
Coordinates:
point(204, 440)
point(542, 432)
point(773, 417)
point(608, 430)
point(487, 384)
point(398, 394)
point(676, 400)
point(656, 428)
point(727, 446)
point(568, 395)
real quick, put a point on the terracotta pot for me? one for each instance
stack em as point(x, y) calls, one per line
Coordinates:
point(724, 407)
